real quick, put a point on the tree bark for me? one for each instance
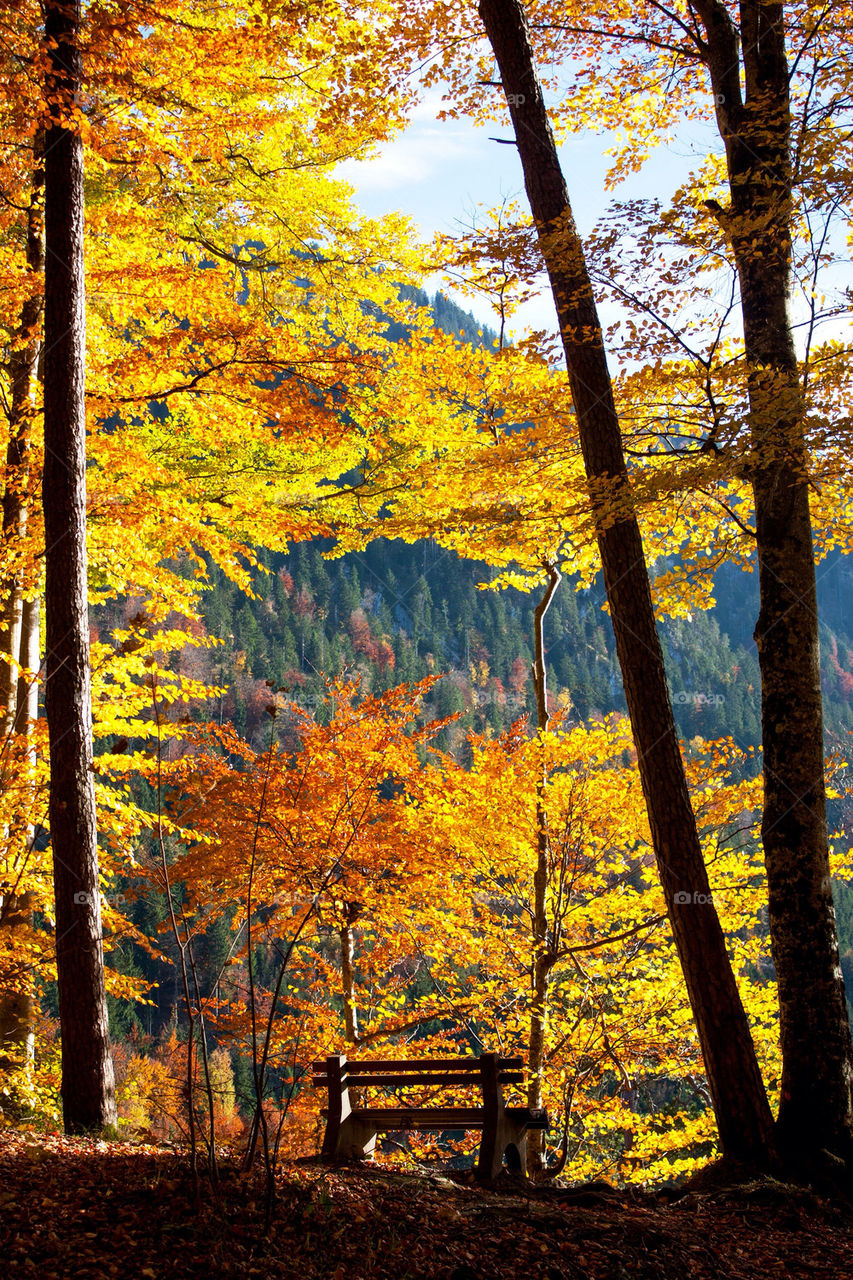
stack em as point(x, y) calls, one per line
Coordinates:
point(348, 985)
point(88, 1095)
point(543, 956)
point(740, 1103)
point(816, 1107)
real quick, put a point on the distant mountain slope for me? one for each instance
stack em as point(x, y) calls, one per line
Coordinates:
point(399, 612)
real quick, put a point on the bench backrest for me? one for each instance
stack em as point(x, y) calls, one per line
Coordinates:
point(338, 1071)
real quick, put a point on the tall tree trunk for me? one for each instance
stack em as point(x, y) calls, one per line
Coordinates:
point(740, 1103)
point(88, 1095)
point(816, 1108)
point(19, 619)
point(543, 951)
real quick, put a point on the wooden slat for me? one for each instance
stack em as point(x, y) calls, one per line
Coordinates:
point(396, 1073)
point(415, 1064)
point(422, 1064)
point(357, 1078)
point(400, 1082)
point(444, 1117)
point(422, 1118)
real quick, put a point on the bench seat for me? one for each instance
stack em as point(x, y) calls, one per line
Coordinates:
point(439, 1118)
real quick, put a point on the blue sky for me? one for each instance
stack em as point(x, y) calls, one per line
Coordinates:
point(438, 172)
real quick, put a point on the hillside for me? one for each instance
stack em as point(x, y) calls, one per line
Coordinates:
point(399, 613)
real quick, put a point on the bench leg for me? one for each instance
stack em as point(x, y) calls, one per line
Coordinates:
point(356, 1140)
point(490, 1160)
point(506, 1139)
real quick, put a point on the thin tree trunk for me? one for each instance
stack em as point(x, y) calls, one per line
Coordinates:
point(88, 1095)
point(816, 1108)
point(17, 1008)
point(27, 690)
point(19, 619)
point(351, 1036)
point(23, 366)
point(543, 956)
point(348, 985)
point(740, 1103)
point(16, 1004)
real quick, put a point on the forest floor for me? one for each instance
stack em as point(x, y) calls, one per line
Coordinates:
point(82, 1208)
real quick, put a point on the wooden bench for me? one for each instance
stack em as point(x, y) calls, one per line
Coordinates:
point(351, 1131)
